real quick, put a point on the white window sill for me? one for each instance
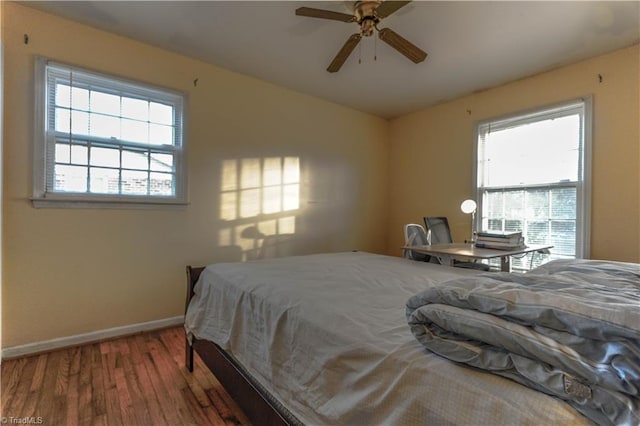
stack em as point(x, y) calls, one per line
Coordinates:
point(122, 204)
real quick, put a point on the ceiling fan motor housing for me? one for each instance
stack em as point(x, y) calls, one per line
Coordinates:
point(365, 13)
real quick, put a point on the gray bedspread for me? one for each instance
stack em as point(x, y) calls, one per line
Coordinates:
point(570, 328)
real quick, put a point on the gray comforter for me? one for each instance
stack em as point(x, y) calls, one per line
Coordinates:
point(570, 328)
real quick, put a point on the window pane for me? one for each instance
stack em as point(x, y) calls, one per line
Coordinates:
point(161, 162)
point(529, 211)
point(513, 225)
point(104, 181)
point(136, 109)
point(494, 224)
point(105, 103)
point(79, 123)
point(63, 95)
point(563, 237)
point(80, 98)
point(75, 98)
point(104, 126)
point(108, 157)
point(537, 232)
point(63, 120)
point(79, 154)
point(161, 184)
point(63, 153)
point(70, 178)
point(160, 135)
point(563, 203)
point(160, 113)
point(134, 182)
point(492, 211)
point(520, 155)
point(135, 131)
point(514, 204)
point(135, 160)
point(537, 204)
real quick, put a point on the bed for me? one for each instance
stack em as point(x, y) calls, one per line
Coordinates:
point(324, 340)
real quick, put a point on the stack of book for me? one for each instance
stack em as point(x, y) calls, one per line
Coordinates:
point(500, 240)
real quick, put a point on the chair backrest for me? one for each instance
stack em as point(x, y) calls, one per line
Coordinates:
point(439, 227)
point(415, 235)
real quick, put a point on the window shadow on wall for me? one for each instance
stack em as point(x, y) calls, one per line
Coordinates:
point(259, 201)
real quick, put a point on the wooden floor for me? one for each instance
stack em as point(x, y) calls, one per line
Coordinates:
point(135, 380)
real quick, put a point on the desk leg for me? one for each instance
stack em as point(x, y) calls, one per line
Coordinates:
point(446, 260)
point(505, 263)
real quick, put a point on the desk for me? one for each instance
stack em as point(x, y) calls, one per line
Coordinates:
point(447, 252)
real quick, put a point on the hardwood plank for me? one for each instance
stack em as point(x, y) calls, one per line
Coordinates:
point(20, 392)
point(162, 394)
point(62, 378)
point(85, 387)
point(135, 380)
point(38, 375)
point(72, 395)
point(172, 380)
point(12, 370)
point(46, 406)
point(98, 397)
point(146, 387)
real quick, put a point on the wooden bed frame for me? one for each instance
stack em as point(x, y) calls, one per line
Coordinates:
point(240, 386)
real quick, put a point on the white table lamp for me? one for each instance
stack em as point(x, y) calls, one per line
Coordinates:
point(469, 206)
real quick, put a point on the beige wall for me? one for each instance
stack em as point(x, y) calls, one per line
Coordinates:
point(72, 271)
point(431, 150)
point(68, 272)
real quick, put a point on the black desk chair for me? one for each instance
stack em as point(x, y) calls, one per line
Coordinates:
point(441, 234)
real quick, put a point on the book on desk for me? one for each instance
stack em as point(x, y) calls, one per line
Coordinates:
point(500, 240)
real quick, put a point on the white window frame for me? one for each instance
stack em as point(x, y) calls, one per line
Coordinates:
point(583, 185)
point(44, 195)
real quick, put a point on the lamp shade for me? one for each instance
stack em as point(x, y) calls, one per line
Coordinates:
point(468, 206)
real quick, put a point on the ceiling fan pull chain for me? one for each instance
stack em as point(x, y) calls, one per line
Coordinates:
point(375, 48)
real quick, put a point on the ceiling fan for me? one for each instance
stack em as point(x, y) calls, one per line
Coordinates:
point(367, 14)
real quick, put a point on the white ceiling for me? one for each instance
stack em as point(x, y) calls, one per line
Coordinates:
point(471, 45)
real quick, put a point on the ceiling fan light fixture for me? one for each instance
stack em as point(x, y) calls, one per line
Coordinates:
point(367, 27)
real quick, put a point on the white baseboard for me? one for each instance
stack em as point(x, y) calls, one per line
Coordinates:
point(79, 339)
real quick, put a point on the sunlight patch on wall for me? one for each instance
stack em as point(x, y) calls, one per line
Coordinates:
point(255, 186)
point(258, 197)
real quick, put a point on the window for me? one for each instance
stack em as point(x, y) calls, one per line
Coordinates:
point(104, 139)
point(532, 176)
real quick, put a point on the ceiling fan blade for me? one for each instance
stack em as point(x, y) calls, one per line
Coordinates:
point(388, 7)
point(344, 53)
point(402, 45)
point(324, 14)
